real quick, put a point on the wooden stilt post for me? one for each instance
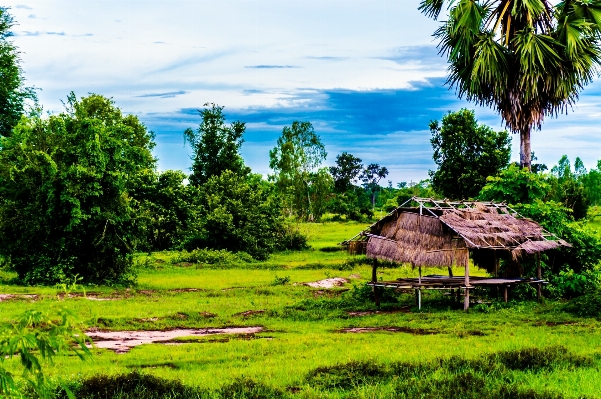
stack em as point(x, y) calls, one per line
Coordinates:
point(466, 296)
point(505, 294)
point(419, 291)
point(496, 269)
point(539, 275)
point(374, 280)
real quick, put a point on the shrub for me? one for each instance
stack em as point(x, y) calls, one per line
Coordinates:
point(65, 206)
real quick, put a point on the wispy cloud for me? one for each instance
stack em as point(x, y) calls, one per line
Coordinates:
point(51, 33)
point(169, 94)
point(23, 6)
point(271, 66)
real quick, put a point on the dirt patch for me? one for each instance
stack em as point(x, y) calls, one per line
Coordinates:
point(13, 297)
point(186, 290)
point(404, 309)
point(123, 341)
point(354, 276)
point(555, 323)
point(328, 283)
point(408, 330)
point(207, 315)
point(329, 293)
point(250, 313)
point(184, 264)
point(234, 288)
point(147, 292)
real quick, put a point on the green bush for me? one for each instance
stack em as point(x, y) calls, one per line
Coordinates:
point(66, 208)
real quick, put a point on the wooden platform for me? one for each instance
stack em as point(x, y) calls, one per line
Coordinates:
point(446, 282)
point(455, 284)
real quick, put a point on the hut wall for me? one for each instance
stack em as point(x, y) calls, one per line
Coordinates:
point(420, 240)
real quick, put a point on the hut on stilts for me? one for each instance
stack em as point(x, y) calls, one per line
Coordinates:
point(427, 232)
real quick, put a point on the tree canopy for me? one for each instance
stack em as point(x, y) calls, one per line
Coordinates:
point(466, 154)
point(346, 172)
point(65, 208)
point(216, 146)
point(527, 59)
point(295, 160)
point(13, 93)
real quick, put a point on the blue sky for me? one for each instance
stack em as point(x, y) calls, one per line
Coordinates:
point(365, 73)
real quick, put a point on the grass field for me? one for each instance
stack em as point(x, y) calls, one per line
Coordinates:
point(524, 350)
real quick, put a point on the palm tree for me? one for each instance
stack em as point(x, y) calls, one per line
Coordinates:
point(525, 58)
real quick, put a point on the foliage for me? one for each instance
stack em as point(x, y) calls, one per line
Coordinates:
point(572, 271)
point(568, 187)
point(466, 154)
point(526, 59)
point(65, 207)
point(234, 213)
point(216, 146)
point(164, 204)
point(295, 159)
point(346, 172)
point(406, 191)
point(515, 185)
point(371, 177)
point(12, 92)
point(587, 305)
point(32, 338)
point(289, 238)
point(592, 185)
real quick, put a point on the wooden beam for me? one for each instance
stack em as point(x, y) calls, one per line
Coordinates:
point(374, 279)
point(466, 297)
point(539, 275)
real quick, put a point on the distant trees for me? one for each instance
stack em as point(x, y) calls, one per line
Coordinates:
point(65, 207)
point(13, 93)
point(295, 161)
point(216, 146)
point(371, 177)
point(466, 154)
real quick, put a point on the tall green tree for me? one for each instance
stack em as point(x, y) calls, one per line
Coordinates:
point(346, 172)
point(295, 160)
point(466, 154)
point(13, 93)
point(216, 146)
point(371, 176)
point(527, 59)
point(65, 207)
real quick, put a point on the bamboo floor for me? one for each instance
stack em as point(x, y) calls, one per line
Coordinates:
point(445, 282)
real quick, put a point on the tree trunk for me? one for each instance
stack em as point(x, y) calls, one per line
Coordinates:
point(525, 152)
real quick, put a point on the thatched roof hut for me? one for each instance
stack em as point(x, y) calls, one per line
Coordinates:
point(445, 233)
point(441, 232)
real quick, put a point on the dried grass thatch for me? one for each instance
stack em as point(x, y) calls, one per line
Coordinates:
point(444, 236)
point(420, 240)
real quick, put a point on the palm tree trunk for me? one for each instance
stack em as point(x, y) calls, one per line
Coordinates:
point(525, 151)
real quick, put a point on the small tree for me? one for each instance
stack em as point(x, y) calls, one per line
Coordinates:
point(216, 146)
point(466, 154)
point(297, 155)
point(65, 208)
point(371, 177)
point(346, 172)
point(237, 214)
point(13, 94)
point(164, 207)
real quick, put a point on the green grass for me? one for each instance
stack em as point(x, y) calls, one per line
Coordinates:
point(302, 352)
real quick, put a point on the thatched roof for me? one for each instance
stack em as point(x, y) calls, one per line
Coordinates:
point(440, 233)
